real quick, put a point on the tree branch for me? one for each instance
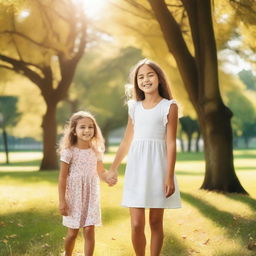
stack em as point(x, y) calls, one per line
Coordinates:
point(20, 66)
point(29, 39)
point(136, 14)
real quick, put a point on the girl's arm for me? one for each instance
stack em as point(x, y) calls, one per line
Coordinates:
point(124, 146)
point(64, 167)
point(103, 174)
point(171, 149)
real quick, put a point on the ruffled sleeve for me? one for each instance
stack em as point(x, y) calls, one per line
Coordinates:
point(131, 108)
point(66, 155)
point(166, 108)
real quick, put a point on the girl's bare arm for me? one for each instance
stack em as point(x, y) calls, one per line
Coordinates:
point(64, 167)
point(124, 146)
point(171, 148)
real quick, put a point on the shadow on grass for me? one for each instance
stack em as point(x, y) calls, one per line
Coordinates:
point(31, 231)
point(174, 246)
point(42, 230)
point(235, 226)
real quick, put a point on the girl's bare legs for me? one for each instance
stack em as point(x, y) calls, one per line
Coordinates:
point(70, 241)
point(138, 225)
point(157, 234)
point(89, 240)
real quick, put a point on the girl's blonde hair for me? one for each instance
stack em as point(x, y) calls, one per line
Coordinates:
point(69, 138)
point(163, 87)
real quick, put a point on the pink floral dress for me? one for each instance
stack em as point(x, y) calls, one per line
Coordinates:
point(82, 188)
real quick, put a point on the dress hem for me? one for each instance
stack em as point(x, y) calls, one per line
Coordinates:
point(151, 207)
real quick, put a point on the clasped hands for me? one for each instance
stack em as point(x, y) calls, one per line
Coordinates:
point(110, 177)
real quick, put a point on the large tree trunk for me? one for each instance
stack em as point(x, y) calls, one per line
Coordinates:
point(49, 161)
point(217, 134)
point(200, 77)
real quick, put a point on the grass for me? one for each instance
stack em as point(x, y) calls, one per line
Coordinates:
point(208, 224)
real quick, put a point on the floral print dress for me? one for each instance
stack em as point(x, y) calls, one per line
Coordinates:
point(82, 188)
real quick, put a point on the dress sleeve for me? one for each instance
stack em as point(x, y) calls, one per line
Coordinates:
point(66, 155)
point(166, 109)
point(131, 108)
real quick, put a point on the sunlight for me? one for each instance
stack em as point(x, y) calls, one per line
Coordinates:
point(93, 8)
point(23, 15)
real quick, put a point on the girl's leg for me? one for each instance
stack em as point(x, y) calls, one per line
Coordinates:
point(157, 234)
point(89, 240)
point(138, 225)
point(70, 241)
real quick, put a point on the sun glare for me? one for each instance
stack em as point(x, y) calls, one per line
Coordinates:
point(93, 8)
point(23, 15)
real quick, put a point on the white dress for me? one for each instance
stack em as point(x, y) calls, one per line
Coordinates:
point(147, 161)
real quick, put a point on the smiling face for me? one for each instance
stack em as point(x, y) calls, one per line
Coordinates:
point(85, 129)
point(147, 80)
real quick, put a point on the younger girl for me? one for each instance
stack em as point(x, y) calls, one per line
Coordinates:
point(81, 150)
point(150, 137)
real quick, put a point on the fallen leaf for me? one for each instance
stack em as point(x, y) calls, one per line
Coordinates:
point(12, 236)
point(20, 225)
point(206, 242)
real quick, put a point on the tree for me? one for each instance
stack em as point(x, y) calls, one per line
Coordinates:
point(244, 118)
point(8, 117)
point(47, 55)
point(190, 126)
point(248, 79)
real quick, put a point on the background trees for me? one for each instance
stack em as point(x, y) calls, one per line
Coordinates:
point(55, 34)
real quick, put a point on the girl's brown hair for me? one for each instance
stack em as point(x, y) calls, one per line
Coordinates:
point(163, 87)
point(69, 138)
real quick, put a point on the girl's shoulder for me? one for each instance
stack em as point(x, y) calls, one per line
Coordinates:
point(66, 155)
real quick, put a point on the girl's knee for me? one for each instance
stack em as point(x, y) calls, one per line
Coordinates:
point(72, 233)
point(137, 227)
point(88, 231)
point(156, 223)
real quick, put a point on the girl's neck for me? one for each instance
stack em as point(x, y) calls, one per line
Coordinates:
point(152, 98)
point(83, 144)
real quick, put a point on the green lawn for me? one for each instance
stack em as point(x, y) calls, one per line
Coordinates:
point(208, 224)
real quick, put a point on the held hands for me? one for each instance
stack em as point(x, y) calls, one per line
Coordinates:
point(63, 208)
point(169, 186)
point(110, 177)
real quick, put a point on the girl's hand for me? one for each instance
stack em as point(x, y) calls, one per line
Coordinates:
point(112, 177)
point(169, 186)
point(63, 208)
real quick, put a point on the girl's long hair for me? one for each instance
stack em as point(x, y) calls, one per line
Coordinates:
point(69, 138)
point(163, 87)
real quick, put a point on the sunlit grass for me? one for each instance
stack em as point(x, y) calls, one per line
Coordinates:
point(208, 224)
